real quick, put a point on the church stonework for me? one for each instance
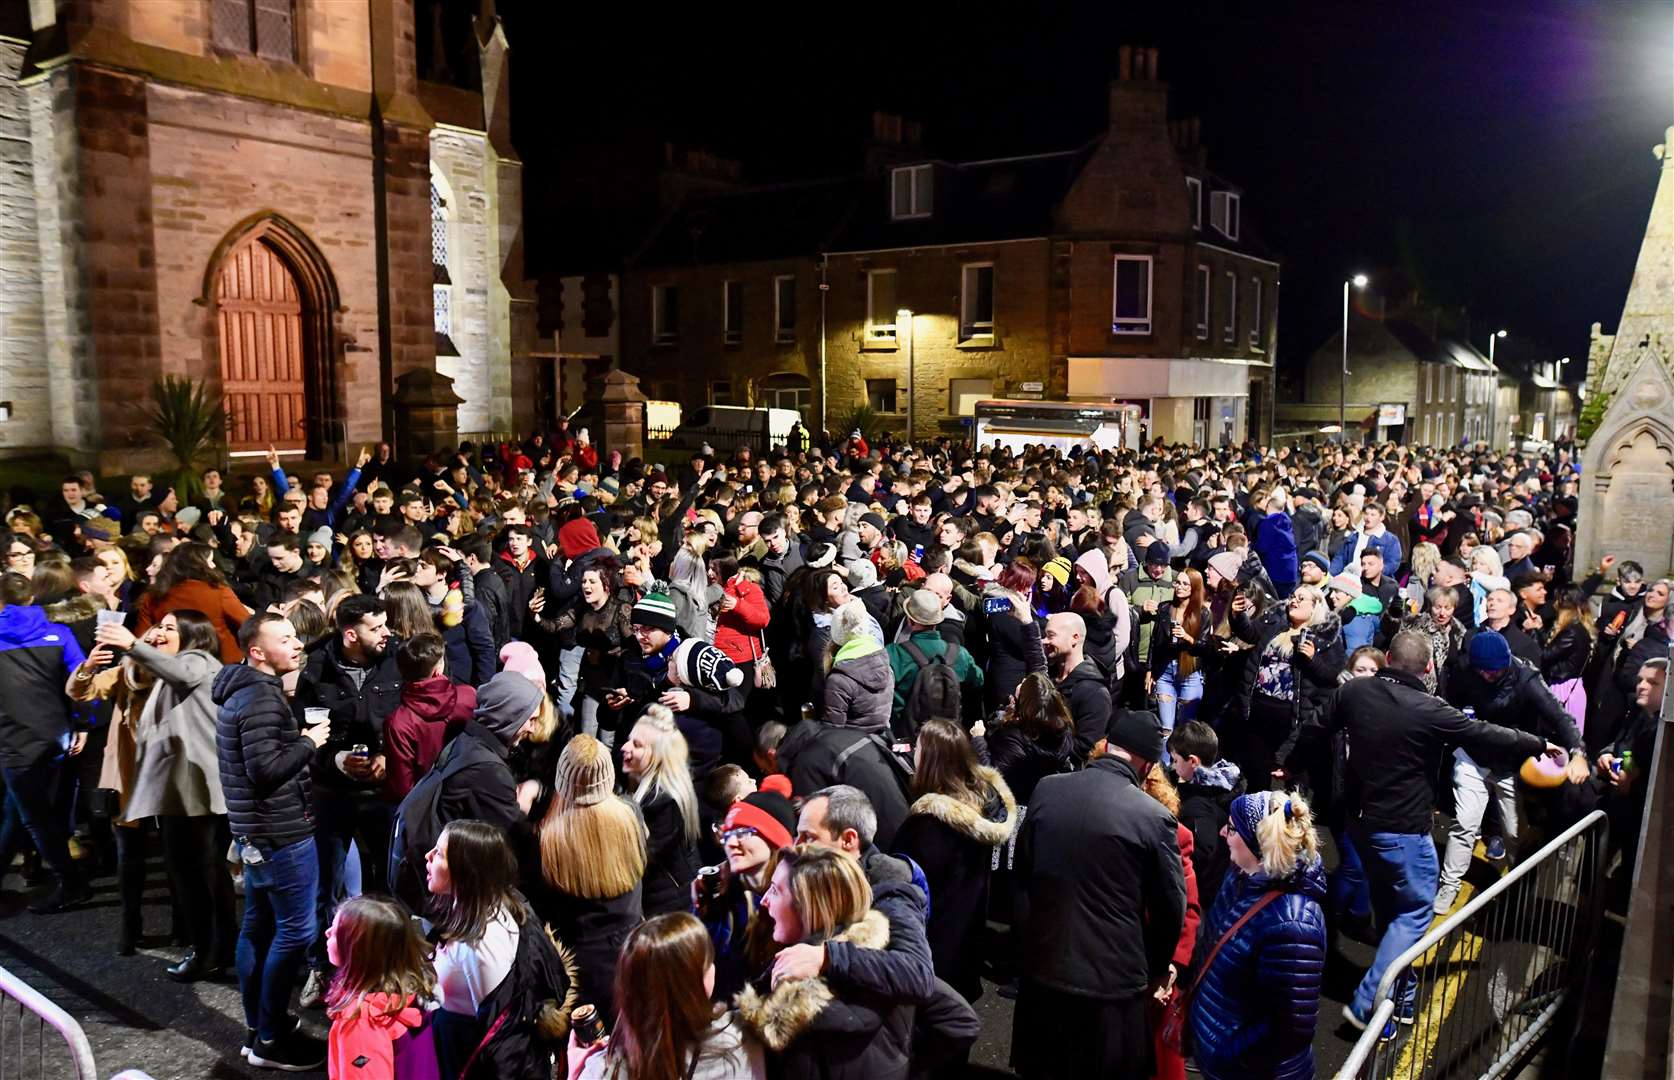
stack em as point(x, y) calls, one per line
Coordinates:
point(1627, 473)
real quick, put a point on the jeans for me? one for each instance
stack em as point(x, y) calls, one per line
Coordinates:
point(1401, 871)
point(1177, 696)
point(280, 894)
point(1473, 788)
point(33, 796)
point(569, 677)
point(592, 711)
point(1349, 894)
point(339, 819)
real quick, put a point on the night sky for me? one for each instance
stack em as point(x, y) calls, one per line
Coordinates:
point(1495, 155)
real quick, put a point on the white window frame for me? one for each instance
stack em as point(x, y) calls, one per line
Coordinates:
point(1132, 325)
point(716, 384)
point(879, 331)
point(969, 328)
point(1226, 212)
point(660, 334)
point(1427, 430)
point(1205, 299)
point(1453, 384)
point(1256, 313)
point(1194, 192)
point(1429, 374)
point(781, 331)
point(895, 397)
point(1229, 333)
point(732, 322)
point(921, 196)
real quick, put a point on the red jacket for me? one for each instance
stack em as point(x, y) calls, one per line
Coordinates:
point(218, 603)
point(431, 711)
point(1194, 907)
point(362, 1047)
point(737, 632)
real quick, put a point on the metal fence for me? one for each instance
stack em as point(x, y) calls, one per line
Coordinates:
point(28, 1050)
point(1493, 976)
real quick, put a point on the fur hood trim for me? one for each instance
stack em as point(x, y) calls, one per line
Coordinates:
point(964, 818)
point(73, 609)
point(785, 1013)
point(553, 1020)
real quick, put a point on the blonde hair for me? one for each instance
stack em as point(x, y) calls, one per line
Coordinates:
point(1425, 558)
point(829, 888)
point(1287, 839)
point(596, 851)
point(1482, 553)
point(667, 771)
point(546, 721)
point(1161, 788)
point(1286, 641)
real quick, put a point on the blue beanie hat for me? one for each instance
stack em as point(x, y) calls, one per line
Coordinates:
point(1489, 652)
point(1248, 810)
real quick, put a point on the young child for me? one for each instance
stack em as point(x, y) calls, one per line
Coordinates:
point(1206, 793)
point(379, 1029)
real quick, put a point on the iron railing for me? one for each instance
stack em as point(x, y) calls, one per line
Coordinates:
point(1493, 976)
point(26, 1050)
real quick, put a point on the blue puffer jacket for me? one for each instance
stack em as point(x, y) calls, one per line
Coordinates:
point(1256, 1008)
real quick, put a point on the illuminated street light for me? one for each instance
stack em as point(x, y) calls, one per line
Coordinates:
point(1495, 336)
point(904, 317)
point(1358, 281)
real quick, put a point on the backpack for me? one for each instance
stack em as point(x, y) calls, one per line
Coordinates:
point(935, 692)
point(901, 766)
point(418, 824)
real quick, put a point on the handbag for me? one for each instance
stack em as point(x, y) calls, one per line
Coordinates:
point(1174, 1013)
point(766, 677)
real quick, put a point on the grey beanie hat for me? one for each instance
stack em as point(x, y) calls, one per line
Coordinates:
point(505, 703)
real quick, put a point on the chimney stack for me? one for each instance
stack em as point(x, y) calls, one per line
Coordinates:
point(1124, 63)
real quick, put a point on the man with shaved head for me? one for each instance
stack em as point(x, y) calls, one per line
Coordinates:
point(1078, 679)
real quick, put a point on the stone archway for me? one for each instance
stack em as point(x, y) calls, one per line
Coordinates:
point(275, 335)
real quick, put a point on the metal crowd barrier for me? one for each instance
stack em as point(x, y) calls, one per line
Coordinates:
point(1493, 976)
point(27, 1052)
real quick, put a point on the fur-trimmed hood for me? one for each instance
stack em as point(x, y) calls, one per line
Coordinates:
point(792, 1007)
point(73, 609)
point(990, 825)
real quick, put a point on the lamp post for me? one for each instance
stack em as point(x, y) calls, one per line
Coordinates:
point(1358, 281)
point(904, 317)
point(1495, 336)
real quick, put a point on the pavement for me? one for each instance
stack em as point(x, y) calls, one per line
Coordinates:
point(136, 1017)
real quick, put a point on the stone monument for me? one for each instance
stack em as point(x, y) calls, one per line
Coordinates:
point(623, 405)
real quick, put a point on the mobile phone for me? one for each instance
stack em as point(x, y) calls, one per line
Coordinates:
point(996, 605)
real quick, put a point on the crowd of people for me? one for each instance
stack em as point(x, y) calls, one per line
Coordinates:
point(528, 760)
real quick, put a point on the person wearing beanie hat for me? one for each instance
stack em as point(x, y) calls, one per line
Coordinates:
point(655, 611)
point(754, 828)
point(1226, 564)
point(592, 861)
point(520, 656)
point(700, 664)
point(316, 547)
point(1489, 653)
point(1156, 554)
point(1277, 887)
point(1081, 971)
point(1347, 584)
point(1314, 568)
point(703, 687)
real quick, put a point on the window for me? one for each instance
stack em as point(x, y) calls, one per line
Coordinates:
point(1201, 409)
point(441, 288)
point(1230, 333)
point(1429, 373)
point(1256, 314)
point(1453, 378)
point(976, 301)
point(1224, 209)
point(732, 312)
point(720, 392)
point(264, 28)
point(963, 394)
point(784, 308)
point(1131, 299)
point(909, 192)
point(1202, 302)
point(665, 314)
point(1194, 196)
point(1426, 429)
point(880, 305)
point(880, 394)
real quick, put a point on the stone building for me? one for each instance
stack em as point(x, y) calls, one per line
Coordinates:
point(294, 201)
point(1409, 380)
point(1121, 270)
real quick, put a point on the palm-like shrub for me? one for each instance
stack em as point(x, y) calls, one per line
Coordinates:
point(192, 423)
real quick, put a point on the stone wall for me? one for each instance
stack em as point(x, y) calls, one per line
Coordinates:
point(459, 161)
point(24, 378)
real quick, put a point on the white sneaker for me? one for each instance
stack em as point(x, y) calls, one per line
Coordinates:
point(313, 989)
point(1444, 900)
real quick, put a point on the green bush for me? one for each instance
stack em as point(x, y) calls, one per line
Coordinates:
point(862, 418)
point(192, 423)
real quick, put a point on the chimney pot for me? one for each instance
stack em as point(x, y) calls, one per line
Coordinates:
point(1151, 64)
point(1124, 63)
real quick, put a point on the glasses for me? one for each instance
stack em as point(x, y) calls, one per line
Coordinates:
point(741, 832)
point(19, 553)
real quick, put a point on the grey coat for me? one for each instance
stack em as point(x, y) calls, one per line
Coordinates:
point(176, 770)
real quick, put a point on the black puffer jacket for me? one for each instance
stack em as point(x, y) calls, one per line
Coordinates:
point(1520, 700)
point(1024, 762)
point(1088, 696)
point(1013, 644)
point(671, 859)
point(1316, 678)
point(263, 759)
point(358, 712)
point(527, 1017)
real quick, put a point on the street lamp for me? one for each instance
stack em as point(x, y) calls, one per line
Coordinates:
point(904, 317)
point(1359, 282)
point(1495, 336)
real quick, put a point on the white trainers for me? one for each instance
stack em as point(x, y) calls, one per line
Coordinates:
point(313, 989)
point(1444, 900)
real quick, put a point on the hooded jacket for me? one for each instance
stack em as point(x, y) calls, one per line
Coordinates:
point(263, 759)
point(953, 842)
point(860, 688)
point(1088, 695)
point(431, 711)
point(1204, 803)
point(37, 657)
point(218, 602)
point(375, 1043)
point(1014, 647)
point(1275, 542)
point(1256, 1008)
point(815, 1032)
point(484, 789)
point(526, 1019)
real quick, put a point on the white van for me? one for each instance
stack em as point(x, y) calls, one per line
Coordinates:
point(727, 427)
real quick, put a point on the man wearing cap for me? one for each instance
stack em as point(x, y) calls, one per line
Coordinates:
point(1398, 731)
point(1509, 692)
point(923, 646)
point(1104, 899)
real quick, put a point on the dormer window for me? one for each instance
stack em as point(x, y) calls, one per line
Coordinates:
point(910, 192)
point(1194, 196)
point(1224, 213)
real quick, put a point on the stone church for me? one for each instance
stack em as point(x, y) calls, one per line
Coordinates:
point(297, 202)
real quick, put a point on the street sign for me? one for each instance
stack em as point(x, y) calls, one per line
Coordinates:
point(1031, 387)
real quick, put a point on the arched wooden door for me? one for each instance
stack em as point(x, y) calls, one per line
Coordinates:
point(261, 350)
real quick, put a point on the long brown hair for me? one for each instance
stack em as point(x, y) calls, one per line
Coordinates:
point(946, 763)
point(664, 1014)
point(1191, 620)
point(1039, 709)
point(484, 874)
point(1572, 611)
point(409, 612)
point(383, 952)
point(187, 562)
